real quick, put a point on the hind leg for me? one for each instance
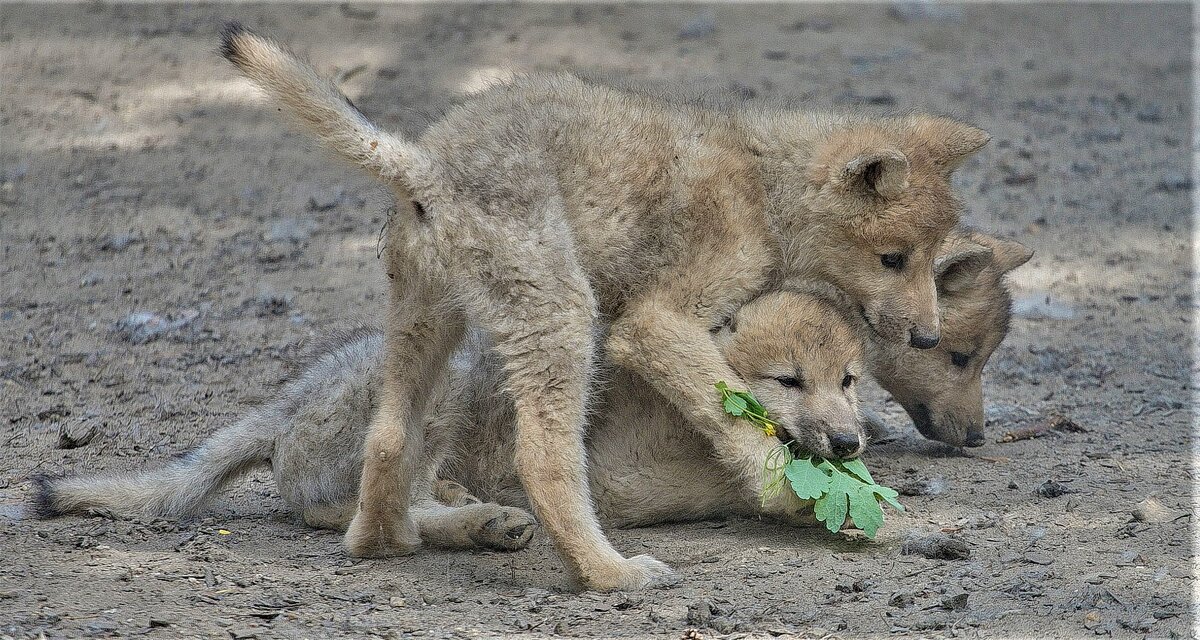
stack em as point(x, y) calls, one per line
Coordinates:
point(420, 336)
point(480, 525)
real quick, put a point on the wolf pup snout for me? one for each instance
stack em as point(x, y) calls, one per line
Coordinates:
point(845, 445)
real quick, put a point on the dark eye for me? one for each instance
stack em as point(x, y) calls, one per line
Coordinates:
point(959, 359)
point(894, 261)
point(847, 381)
point(789, 382)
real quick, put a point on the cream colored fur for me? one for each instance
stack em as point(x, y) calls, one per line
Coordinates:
point(547, 207)
point(942, 388)
point(312, 436)
point(646, 465)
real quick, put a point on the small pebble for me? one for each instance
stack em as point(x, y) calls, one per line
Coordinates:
point(923, 487)
point(956, 602)
point(1150, 113)
point(101, 627)
point(326, 199)
point(1109, 134)
point(1039, 558)
point(144, 326)
point(1053, 489)
point(118, 242)
point(75, 437)
point(936, 546)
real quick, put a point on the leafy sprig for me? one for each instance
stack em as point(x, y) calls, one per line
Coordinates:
point(742, 404)
point(838, 488)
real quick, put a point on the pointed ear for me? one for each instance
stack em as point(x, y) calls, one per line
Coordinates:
point(949, 141)
point(882, 172)
point(957, 268)
point(1008, 254)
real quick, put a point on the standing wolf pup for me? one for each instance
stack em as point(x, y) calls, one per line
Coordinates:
point(546, 205)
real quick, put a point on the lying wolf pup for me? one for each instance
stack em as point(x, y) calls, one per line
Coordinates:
point(801, 354)
point(306, 433)
point(546, 207)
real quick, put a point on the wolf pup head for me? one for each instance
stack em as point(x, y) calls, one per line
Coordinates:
point(801, 357)
point(942, 389)
point(873, 204)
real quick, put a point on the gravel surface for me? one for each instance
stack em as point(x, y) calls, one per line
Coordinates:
point(167, 241)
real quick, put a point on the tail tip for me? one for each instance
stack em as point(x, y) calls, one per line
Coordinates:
point(42, 504)
point(230, 33)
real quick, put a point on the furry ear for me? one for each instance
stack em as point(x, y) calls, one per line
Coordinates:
point(949, 141)
point(957, 269)
point(882, 172)
point(1009, 254)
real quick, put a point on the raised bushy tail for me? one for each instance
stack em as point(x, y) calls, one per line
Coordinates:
point(325, 111)
point(180, 488)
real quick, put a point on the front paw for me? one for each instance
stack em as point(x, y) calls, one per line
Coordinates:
point(630, 574)
point(370, 537)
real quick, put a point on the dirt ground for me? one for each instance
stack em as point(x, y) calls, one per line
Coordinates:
point(141, 175)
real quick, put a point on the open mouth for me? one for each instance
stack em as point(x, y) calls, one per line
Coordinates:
point(786, 438)
point(794, 445)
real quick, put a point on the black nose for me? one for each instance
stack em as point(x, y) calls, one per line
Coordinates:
point(843, 444)
point(975, 439)
point(922, 340)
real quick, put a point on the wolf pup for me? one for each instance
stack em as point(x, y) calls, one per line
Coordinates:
point(801, 354)
point(942, 388)
point(306, 432)
point(548, 206)
point(323, 413)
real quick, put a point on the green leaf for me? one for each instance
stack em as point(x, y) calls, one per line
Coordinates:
point(752, 403)
point(887, 494)
point(734, 405)
point(807, 481)
point(825, 466)
point(857, 468)
point(832, 507)
point(864, 508)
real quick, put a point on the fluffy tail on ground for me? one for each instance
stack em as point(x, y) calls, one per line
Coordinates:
point(325, 111)
point(180, 488)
